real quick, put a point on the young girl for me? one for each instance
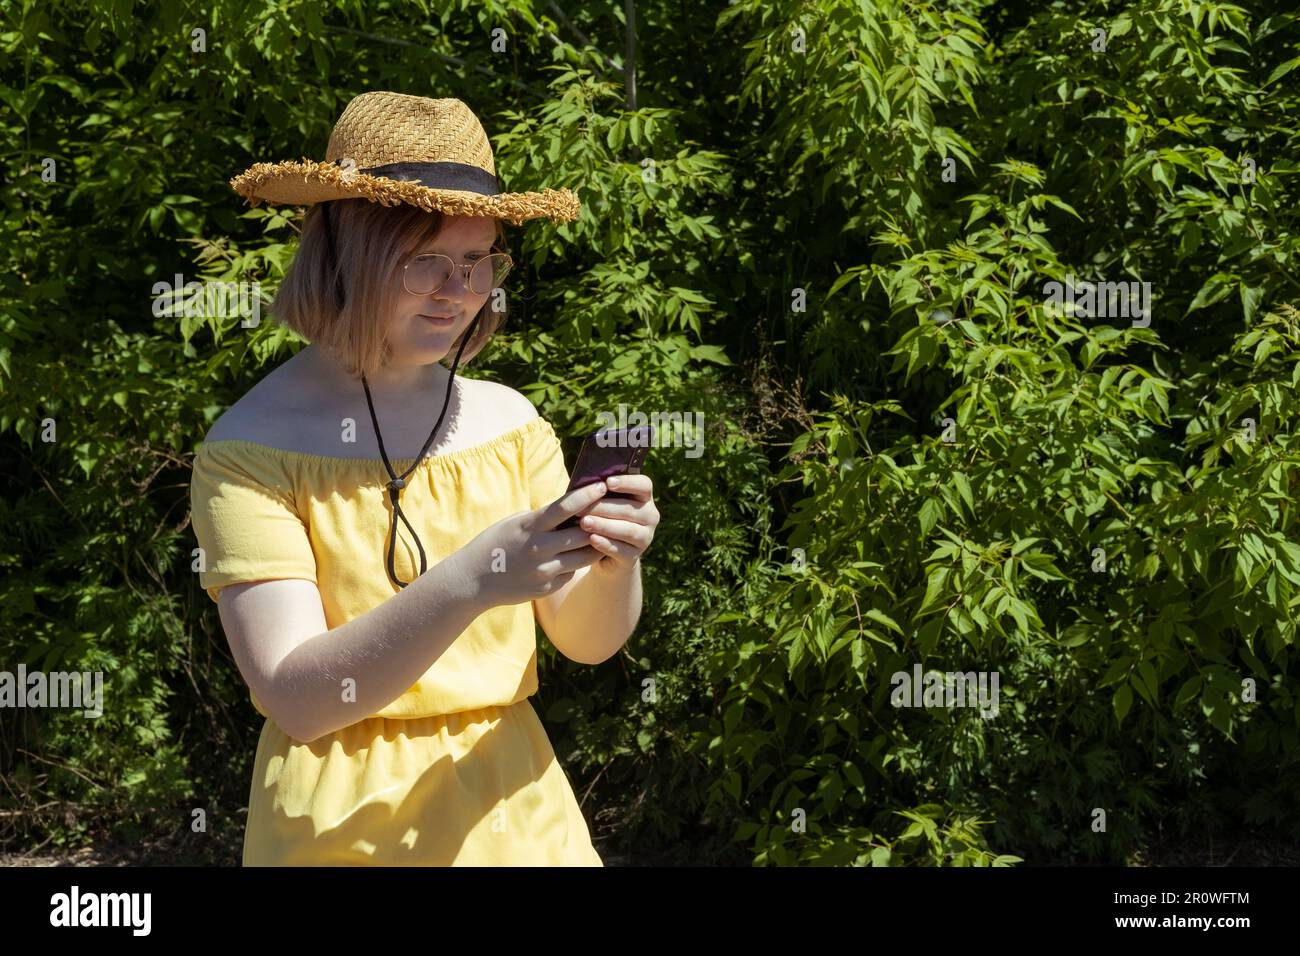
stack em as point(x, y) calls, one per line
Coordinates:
point(380, 601)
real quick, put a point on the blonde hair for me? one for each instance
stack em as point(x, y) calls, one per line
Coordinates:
point(371, 241)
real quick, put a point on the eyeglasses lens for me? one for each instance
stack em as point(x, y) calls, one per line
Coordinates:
point(427, 274)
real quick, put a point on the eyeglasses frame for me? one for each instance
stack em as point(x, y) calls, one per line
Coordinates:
point(465, 268)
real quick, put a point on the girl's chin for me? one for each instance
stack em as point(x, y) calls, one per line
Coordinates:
point(428, 341)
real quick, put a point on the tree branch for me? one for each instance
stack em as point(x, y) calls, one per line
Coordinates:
point(566, 22)
point(442, 56)
point(629, 64)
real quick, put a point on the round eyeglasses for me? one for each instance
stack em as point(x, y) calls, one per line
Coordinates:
point(429, 272)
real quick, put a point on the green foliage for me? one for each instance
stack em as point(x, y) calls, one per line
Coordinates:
point(827, 227)
point(1123, 685)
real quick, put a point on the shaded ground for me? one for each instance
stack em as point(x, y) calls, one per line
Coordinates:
point(199, 850)
point(211, 849)
point(1249, 850)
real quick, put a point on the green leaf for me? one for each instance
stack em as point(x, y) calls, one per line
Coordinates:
point(931, 510)
point(1122, 700)
point(934, 587)
point(1117, 671)
point(1187, 693)
point(1250, 296)
point(882, 618)
point(1023, 543)
point(1215, 288)
point(1281, 70)
point(1076, 635)
point(709, 353)
point(963, 487)
point(1144, 682)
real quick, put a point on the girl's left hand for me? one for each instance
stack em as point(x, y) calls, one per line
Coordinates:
point(622, 528)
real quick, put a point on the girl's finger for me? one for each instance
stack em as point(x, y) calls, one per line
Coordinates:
point(628, 510)
point(614, 549)
point(639, 486)
point(626, 531)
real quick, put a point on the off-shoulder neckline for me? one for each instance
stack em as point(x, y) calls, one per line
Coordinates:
point(472, 451)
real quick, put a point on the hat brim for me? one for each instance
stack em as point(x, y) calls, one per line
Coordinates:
point(307, 182)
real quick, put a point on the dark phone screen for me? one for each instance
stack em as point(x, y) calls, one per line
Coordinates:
point(623, 453)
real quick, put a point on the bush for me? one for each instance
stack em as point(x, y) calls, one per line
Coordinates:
point(829, 228)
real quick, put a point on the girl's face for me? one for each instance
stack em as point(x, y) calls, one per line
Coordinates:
point(415, 336)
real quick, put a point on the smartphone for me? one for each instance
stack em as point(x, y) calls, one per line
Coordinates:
point(623, 453)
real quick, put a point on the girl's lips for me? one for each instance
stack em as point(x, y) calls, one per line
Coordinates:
point(437, 318)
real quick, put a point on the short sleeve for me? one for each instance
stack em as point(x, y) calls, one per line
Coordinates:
point(245, 520)
point(548, 479)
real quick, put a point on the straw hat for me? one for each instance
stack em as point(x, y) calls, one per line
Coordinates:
point(393, 148)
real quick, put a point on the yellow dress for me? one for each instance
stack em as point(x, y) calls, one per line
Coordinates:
point(458, 770)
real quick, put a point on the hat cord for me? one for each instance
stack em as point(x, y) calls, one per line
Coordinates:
point(397, 482)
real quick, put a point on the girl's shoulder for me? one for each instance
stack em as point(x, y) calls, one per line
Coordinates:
point(283, 414)
point(278, 406)
point(499, 404)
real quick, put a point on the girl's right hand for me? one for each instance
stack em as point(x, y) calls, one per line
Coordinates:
point(524, 557)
